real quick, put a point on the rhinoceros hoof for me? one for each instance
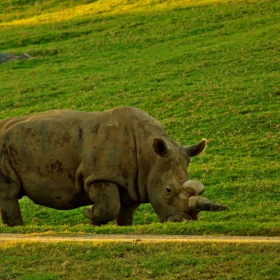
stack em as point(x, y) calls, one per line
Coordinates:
point(88, 213)
point(96, 224)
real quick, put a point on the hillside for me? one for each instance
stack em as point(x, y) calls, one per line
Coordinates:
point(204, 69)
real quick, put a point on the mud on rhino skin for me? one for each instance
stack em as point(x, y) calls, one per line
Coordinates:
point(113, 160)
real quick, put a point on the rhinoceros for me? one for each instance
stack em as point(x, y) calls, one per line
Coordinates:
point(113, 160)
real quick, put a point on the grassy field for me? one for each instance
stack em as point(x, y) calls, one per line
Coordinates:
point(139, 261)
point(203, 68)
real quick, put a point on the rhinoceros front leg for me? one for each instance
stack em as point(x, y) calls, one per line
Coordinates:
point(125, 217)
point(106, 203)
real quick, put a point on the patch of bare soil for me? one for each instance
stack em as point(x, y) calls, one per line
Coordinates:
point(7, 237)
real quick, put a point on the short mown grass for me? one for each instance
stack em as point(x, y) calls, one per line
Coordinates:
point(24, 260)
point(203, 68)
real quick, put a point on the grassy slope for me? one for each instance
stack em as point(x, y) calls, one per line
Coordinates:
point(207, 69)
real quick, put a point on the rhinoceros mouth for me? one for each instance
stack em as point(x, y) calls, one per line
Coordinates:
point(179, 217)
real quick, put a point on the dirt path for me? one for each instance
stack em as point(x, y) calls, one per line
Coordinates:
point(7, 237)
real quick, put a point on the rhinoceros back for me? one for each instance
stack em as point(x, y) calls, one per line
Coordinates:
point(54, 153)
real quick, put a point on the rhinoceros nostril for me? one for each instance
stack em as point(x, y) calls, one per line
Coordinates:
point(201, 192)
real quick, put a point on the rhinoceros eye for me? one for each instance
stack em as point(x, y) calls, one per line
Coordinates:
point(168, 190)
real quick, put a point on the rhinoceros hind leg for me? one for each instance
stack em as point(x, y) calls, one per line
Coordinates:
point(106, 200)
point(10, 213)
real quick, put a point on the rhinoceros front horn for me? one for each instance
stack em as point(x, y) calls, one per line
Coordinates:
point(193, 187)
point(198, 203)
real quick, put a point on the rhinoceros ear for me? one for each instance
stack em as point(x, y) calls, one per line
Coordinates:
point(161, 148)
point(196, 149)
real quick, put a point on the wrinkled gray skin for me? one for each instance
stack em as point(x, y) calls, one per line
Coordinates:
point(114, 160)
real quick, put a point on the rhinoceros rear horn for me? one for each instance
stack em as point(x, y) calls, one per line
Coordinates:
point(196, 149)
point(198, 203)
point(193, 187)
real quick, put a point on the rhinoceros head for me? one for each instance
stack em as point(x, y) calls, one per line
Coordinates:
point(172, 194)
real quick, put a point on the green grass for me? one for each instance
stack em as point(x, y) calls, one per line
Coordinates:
point(134, 260)
point(204, 69)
